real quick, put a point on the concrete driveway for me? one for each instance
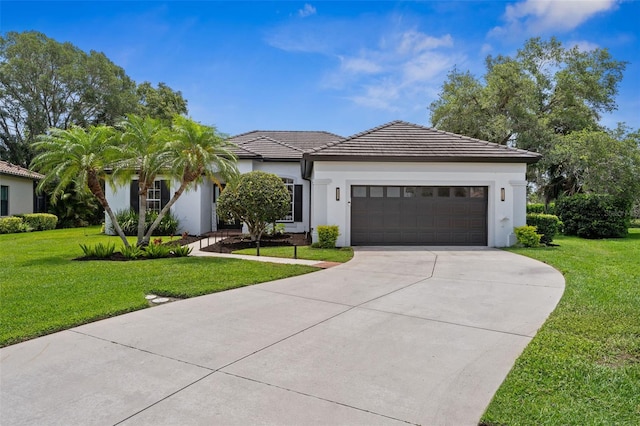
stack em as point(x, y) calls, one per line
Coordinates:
point(397, 335)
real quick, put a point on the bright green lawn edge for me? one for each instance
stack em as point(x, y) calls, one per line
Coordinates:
point(583, 366)
point(340, 255)
point(42, 290)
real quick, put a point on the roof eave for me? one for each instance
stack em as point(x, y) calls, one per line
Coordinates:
point(421, 159)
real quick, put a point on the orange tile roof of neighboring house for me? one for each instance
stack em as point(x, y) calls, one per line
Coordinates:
point(13, 170)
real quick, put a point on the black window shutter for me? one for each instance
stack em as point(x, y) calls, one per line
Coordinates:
point(134, 198)
point(297, 203)
point(164, 193)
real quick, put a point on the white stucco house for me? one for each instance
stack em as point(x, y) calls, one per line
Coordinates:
point(396, 184)
point(17, 190)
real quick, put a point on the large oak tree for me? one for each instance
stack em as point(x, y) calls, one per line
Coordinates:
point(533, 100)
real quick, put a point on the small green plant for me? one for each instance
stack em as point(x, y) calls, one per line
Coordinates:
point(128, 220)
point(132, 252)
point(546, 224)
point(327, 236)
point(528, 236)
point(181, 251)
point(156, 250)
point(275, 229)
point(100, 250)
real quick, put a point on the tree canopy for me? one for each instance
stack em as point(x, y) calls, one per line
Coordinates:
point(184, 152)
point(536, 100)
point(257, 198)
point(161, 102)
point(47, 84)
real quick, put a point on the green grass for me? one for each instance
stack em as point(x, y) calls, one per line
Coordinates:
point(583, 366)
point(340, 255)
point(42, 290)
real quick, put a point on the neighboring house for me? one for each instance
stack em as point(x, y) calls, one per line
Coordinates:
point(17, 189)
point(399, 183)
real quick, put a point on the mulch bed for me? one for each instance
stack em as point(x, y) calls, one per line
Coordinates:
point(228, 245)
point(239, 242)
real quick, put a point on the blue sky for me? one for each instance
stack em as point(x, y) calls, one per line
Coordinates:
point(342, 67)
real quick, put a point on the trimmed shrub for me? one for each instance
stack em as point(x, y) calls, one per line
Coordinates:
point(327, 236)
point(41, 221)
point(594, 215)
point(541, 208)
point(527, 236)
point(546, 224)
point(11, 225)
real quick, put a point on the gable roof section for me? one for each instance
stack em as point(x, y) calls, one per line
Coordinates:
point(13, 170)
point(279, 145)
point(266, 148)
point(400, 141)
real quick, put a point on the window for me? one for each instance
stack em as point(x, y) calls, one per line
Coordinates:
point(154, 197)
point(376, 191)
point(4, 200)
point(461, 192)
point(393, 191)
point(290, 187)
point(359, 191)
point(443, 192)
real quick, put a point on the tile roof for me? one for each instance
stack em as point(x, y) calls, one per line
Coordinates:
point(11, 169)
point(279, 145)
point(402, 141)
point(266, 148)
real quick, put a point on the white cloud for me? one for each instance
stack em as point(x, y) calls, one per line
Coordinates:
point(583, 46)
point(401, 72)
point(307, 10)
point(541, 16)
point(386, 67)
point(415, 42)
point(360, 65)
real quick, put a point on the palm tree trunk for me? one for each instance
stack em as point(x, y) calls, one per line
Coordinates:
point(96, 189)
point(142, 211)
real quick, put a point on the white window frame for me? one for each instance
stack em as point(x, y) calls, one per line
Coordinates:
point(154, 197)
point(290, 184)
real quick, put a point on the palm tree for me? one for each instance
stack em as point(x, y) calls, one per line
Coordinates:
point(78, 156)
point(145, 154)
point(195, 151)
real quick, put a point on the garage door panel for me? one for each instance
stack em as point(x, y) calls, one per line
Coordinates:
point(419, 215)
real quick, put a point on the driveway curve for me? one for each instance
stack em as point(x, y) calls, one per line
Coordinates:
point(398, 335)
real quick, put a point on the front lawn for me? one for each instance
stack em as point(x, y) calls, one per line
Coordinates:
point(42, 290)
point(339, 255)
point(583, 366)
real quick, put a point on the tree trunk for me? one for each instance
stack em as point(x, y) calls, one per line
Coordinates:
point(143, 190)
point(96, 189)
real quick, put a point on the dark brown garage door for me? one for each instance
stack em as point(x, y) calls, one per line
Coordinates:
point(418, 215)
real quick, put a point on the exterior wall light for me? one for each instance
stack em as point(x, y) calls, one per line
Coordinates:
point(337, 193)
point(502, 194)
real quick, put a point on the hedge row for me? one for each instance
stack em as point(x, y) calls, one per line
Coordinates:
point(28, 222)
point(541, 208)
point(594, 216)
